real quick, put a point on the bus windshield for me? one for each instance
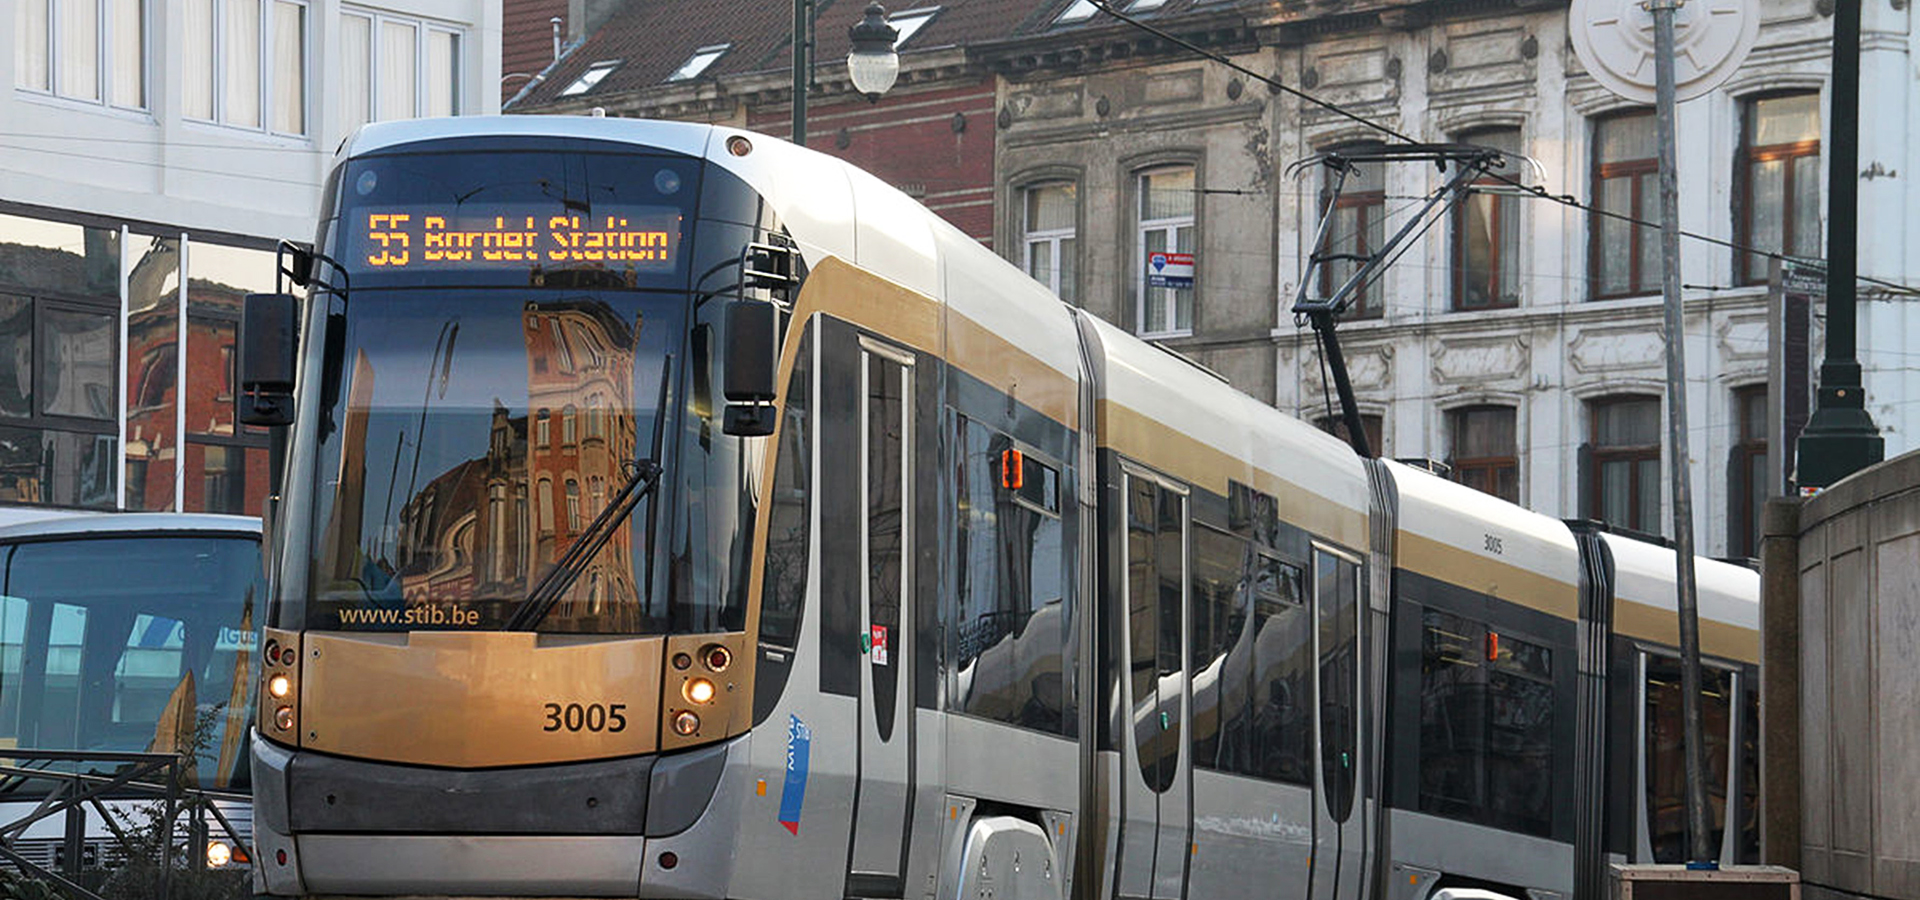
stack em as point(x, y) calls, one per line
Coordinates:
point(131, 644)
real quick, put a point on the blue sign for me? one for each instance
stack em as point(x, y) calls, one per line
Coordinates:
point(793, 794)
point(1170, 270)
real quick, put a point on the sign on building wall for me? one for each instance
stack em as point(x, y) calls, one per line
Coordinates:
point(1170, 270)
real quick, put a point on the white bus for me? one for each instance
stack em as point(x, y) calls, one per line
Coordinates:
point(123, 633)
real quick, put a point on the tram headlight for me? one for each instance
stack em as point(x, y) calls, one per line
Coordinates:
point(280, 686)
point(699, 690)
point(685, 724)
point(283, 718)
point(218, 854)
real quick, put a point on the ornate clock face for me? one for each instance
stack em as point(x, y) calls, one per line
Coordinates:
point(1614, 40)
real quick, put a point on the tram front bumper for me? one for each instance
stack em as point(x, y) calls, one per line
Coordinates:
point(326, 825)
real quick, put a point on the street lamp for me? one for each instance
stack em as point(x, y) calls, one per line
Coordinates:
point(873, 65)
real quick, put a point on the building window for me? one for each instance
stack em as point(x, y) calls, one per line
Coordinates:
point(246, 63)
point(1486, 233)
point(599, 71)
point(397, 68)
point(1779, 181)
point(1164, 225)
point(1749, 471)
point(691, 69)
point(1372, 424)
point(910, 22)
point(92, 50)
point(1484, 454)
point(1049, 227)
point(1357, 230)
point(1625, 256)
point(1623, 485)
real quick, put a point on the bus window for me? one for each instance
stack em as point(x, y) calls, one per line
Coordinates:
point(147, 655)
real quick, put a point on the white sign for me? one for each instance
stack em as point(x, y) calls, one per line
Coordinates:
point(1170, 270)
point(1614, 40)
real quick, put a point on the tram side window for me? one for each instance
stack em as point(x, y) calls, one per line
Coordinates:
point(1279, 710)
point(1220, 612)
point(1453, 714)
point(1666, 760)
point(789, 525)
point(1486, 725)
point(1014, 610)
point(1520, 734)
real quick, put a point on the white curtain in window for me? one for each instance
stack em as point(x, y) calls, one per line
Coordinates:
point(399, 71)
point(197, 58)
point(289, 67)
point(129, 48)
point(356, 70)
point(241, 72)
point(30, 59)
point(443, 73)
point(79, 55)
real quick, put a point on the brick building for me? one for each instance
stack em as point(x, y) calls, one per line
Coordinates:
point(932, 135)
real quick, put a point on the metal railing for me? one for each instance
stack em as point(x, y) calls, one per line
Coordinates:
point(156, 782)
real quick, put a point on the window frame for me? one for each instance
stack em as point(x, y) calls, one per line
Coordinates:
point(1634, 170)
point(423, 31)
point(1489, 465)
point(911, 22)
point(687, 71)
point(1743, 518)
point(1501, 206)
point(1170, 226)
point(1746, 157)
point(1366, 206)
point(104, 69)
point(1031, 237)
point(220, 44)
point(1595, 488)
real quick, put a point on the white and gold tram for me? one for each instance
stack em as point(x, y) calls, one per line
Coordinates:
point(675, 512)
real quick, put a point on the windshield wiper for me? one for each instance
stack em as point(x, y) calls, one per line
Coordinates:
point(643, 475)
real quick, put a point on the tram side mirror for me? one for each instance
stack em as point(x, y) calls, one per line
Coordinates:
point(269, 334)
point(753, 356)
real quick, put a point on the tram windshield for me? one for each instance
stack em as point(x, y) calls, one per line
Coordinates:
point(130, 644)
point(520, 345)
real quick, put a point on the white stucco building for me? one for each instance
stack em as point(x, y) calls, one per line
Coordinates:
point(1520, 341)
point(141, 140)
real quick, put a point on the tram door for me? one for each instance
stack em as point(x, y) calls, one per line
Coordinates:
point(886, 683)
point(1156, 834)
point(1338, 833)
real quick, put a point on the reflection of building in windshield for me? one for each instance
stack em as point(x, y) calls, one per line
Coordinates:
point(489, 526)
point(580, 394)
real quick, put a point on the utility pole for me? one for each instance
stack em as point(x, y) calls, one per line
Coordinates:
point(1695, 749)
point(802, 66)
point(1840, 438)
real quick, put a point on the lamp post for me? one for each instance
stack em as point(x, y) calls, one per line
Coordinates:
point(872, 64)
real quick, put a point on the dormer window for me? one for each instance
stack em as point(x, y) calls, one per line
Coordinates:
point(1080, 11)
point(699, 62)
point(594, 74)
point(910, 22)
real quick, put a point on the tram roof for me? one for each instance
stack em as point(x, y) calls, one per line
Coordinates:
point(689, 138)
point(76, 522)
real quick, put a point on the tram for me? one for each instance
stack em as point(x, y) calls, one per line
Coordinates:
point(672, 511)
point(123, 633)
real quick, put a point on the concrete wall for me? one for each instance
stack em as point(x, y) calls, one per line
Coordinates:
point(1857, 595)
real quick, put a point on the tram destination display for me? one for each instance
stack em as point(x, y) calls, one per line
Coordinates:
point(512, 236)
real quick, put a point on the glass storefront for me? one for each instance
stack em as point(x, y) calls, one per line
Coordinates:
point(99, 408)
